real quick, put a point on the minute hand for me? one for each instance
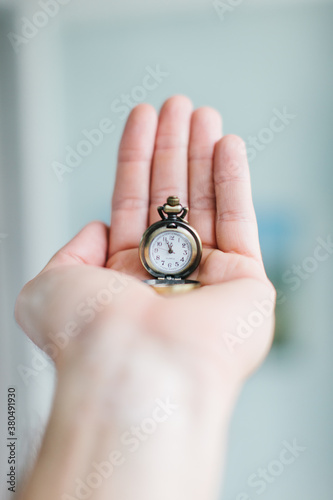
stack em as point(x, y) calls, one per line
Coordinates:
point(170, 247)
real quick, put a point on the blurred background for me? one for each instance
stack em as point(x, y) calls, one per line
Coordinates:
point(67, 65)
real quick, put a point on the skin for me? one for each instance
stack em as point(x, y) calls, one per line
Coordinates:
point(142, 346)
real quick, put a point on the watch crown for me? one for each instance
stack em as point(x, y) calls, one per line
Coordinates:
point(173, 201)
point(172, 209)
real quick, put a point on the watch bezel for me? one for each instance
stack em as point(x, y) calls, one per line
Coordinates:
point(170, 225)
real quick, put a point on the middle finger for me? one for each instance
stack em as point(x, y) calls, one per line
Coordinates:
point(170, 163)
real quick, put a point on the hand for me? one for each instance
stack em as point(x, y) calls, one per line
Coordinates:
point(206, 341)
point(180, 153)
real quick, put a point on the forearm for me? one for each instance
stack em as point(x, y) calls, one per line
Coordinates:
point(129, 423)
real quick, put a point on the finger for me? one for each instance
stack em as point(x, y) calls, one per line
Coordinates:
point(236, 225)
point(131, 193)
point(206, 130)
point(169, 172)
point(89, 246)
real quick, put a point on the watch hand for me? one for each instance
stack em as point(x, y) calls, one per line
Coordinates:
point(167, 250)
point(169, 245)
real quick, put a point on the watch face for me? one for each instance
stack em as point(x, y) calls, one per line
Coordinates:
point(170, 252)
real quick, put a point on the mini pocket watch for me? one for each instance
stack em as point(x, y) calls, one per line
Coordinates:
point(170, 250)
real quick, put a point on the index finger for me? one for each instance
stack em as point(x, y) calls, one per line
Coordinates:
point(131, 193)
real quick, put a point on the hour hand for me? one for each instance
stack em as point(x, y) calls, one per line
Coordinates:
point(170, 247)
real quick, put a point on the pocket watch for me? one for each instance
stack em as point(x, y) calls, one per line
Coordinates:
point(170, 249)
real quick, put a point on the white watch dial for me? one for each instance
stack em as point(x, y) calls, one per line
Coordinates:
point(170, 252)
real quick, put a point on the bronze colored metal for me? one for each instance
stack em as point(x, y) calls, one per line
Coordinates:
point(162, 287)
point(173, 201)
point(172, 208)
point(173, 216)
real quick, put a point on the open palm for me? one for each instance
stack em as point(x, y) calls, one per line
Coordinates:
point(183, 153)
